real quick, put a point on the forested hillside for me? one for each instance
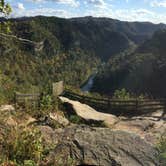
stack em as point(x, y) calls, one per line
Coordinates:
point(102, 36)
point(141, 72)
point(28, 71)
point(41, 50)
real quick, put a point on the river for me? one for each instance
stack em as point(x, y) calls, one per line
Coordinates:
point(89, 83)
point(87, 86)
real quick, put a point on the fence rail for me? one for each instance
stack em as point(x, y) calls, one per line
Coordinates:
point(116, 106)
point(30, 100)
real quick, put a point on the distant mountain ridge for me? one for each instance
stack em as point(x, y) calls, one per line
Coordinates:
point(129, 28)
point(102, 36)
point(70, 49)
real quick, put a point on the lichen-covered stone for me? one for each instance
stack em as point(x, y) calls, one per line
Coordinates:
point(100, 146)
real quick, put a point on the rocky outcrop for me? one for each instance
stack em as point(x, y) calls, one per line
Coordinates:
point(148, 126)
point(88, 113)
point(59, 118)
point(98, 146)
point(7, 115)
point(8, 108)
point(124, 144)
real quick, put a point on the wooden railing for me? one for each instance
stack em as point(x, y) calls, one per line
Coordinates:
point(116, 106)
point(30, 100)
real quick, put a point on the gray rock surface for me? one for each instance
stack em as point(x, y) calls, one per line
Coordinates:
point(98, 146)
point(148, 126)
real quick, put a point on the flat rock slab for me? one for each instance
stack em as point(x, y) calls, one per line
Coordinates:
point(99, 146)
point(88, 113)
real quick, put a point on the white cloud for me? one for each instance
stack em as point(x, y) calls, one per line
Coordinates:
point(96, 3)
point(35, 0)
point(41, 11)
point(133, 15)
point(68, 2)
point(106, 11)
point(73, 3)
point(20, 6)
point(129, 15)
point(157, 3)
point(142, 12)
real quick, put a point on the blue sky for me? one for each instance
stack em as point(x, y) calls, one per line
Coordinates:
point(127, 10)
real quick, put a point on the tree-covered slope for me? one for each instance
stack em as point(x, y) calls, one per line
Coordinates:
point(135, 31)
point(41, 50)
point(102, 36)
point(28, 69)
point(143, 71)
point(61, 34)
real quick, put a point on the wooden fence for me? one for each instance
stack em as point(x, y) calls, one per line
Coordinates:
point(119, 107)
point(114, 106)
point(27, 100)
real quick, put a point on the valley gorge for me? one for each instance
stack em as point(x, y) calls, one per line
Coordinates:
point(115, 65)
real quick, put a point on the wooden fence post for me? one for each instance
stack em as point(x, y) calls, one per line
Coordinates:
point(57, 88)
point(15, 100)
point(109, 106)
point(39, 100)
point(164, 106)
point(83, 99)
point(136, 104)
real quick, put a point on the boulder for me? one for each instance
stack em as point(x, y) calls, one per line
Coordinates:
point(8, 115)
point(89, 114)
point(11, 121)
point(8, 108)
point(30, 120)
point(59, 118)
point(149, 127)
point(84, 145)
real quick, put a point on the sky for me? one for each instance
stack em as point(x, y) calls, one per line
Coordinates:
point(126, 10)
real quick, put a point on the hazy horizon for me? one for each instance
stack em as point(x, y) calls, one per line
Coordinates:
point(124, 10)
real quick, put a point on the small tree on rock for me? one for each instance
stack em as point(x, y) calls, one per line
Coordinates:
point(5, 10)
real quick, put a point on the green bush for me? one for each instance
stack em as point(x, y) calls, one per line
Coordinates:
point(46, 102)
point(23, 146)
point(122, 94)
point(162, 150)
point(75, 119)
point(29, 163)
point(46, 105)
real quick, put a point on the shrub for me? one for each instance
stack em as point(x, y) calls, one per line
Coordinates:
point(46, 105)
point(23, 145)
point(46, 102)
point(162, 150)
point(122, 94)
point(75, 119)
point(29, 163)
